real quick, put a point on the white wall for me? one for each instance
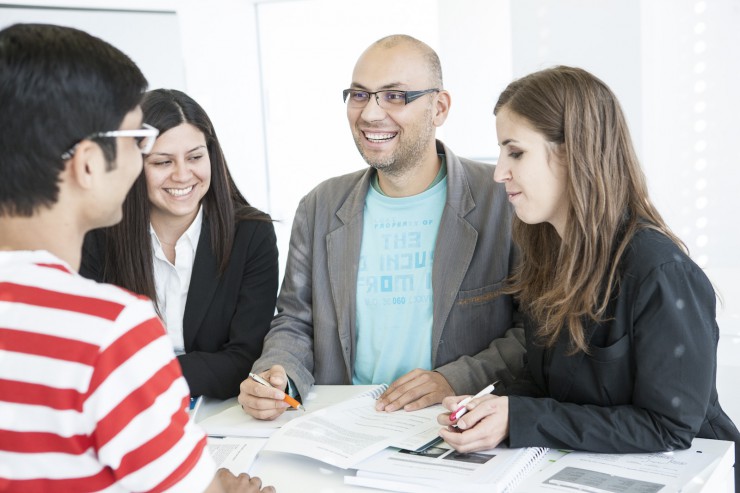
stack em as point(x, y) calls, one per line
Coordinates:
point(674, 66)
point(690, 80)
point(270, 72)
point(305, 67)
point(115, 27)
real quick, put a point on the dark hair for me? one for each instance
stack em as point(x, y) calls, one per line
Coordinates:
point(57, 86)
point(128, 258)
point(562, 280)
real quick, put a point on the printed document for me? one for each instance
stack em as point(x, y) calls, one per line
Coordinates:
point(233, 421)
point(660, 472)
point(235, 454)
point(344, 434)
point(227, 418)
point(442, 469)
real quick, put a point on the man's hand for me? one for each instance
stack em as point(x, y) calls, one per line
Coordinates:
point(263, 402)
point(415, 390)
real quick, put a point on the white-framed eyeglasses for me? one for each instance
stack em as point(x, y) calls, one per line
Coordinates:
point(145, 137)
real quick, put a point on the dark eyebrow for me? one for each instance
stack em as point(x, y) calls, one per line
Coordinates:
point(387, 87)
point(169, 155)
point(507, 142)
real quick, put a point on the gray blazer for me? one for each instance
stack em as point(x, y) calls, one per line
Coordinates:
point(313, 334)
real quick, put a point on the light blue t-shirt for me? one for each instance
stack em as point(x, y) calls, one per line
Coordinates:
point(394, 284)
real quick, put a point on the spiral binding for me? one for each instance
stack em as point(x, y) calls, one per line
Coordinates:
point(376, 392)
point(534, 455)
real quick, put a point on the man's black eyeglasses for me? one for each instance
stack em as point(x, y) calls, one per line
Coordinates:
point(388, 99)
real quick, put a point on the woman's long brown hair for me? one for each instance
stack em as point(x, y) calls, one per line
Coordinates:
point(562, 282)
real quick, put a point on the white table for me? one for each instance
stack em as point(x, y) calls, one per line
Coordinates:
point(294, 473)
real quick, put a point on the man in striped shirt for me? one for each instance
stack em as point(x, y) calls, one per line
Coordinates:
point(91, 395)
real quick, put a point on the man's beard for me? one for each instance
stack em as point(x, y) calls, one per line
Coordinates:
point(407, 155)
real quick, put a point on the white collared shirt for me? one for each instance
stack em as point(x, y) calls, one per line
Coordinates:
point(172, 282)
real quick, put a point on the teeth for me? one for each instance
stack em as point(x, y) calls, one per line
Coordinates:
point(179, 192)
point(378, 137)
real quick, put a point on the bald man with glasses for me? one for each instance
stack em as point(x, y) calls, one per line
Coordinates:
point(393, 271)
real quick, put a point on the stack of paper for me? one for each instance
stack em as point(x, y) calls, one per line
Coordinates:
point(346, 433)
point(235, 454)
point(660, 472)
point(441, 469)
point(234, 422)
point(390, 450)
point(227, 418)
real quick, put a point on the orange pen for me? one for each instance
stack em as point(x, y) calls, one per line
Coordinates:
point(292, 402)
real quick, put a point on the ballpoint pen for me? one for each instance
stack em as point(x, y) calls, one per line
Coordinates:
point(292, 402)
point(461, 407)
point(195, 403)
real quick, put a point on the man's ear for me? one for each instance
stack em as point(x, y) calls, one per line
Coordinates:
point(441, 108)
point(88, 160)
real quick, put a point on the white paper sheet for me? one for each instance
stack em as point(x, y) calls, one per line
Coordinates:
point(627, 473)
point(233, 421)
point(235, 454)
point(440, 468)
point(346, 433)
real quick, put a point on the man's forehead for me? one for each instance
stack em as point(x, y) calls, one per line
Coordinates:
point(387, 68)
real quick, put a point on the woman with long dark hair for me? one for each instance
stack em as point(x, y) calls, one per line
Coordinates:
point(192, 243)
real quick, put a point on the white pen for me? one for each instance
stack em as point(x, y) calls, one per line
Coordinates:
point(461, 409)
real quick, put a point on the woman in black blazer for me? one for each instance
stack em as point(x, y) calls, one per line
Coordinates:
point(620, 323)
point(191, 242)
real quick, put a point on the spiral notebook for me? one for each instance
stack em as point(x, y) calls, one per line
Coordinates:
point(441, 469)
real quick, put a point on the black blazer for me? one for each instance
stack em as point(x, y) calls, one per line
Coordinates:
point(649, 382)
point(226, 317)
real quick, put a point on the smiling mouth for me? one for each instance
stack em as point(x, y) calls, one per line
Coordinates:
point(379, 136)
point(179, 192)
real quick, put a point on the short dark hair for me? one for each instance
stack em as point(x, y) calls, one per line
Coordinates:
point(57, 86)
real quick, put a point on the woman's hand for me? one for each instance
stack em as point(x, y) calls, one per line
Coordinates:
point(483, 427)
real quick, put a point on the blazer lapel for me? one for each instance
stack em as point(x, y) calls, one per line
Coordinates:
point(203, 283)
point(456, 240)
point(343, 252)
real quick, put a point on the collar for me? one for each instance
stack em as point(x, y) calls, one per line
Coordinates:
point(43, 258)
point(459, 195)
point(375, 182)
point(192, 234)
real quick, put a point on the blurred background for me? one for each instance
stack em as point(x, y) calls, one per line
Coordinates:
point(270, 74)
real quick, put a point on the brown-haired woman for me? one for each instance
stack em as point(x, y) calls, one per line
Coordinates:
point(620, 323)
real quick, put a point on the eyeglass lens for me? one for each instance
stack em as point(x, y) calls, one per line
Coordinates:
point(145, 143)
point(386, 99)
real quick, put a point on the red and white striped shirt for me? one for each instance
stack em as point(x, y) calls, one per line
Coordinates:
point(92, 397)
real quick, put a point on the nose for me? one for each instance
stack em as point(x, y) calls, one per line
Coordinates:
point(182, 171)
point(502, 172)
point(373, 112)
